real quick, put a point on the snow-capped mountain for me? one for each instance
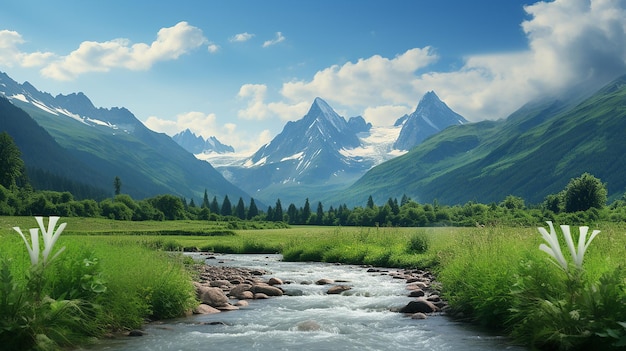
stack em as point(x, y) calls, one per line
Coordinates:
point(76, 106)
point(430, 117)
point(197, 145)
point(93, 145)
point(318, 153)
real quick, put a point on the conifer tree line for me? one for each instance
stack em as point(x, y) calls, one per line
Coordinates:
point(583, 200)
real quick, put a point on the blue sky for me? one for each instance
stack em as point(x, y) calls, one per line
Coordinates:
point(239, 70)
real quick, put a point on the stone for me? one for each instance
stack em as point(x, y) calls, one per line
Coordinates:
point(205, 309)
point(338, 289)
point(308, 326)
point(212, 296)
point(419, 305)
point(243, 303)
point(136, 332)
point(417, 293)
point(239, 291)
point(267, 290)
point(274, 281)
point(418, 315)
point(260, 296)
point(228, 307)
point(324, 281)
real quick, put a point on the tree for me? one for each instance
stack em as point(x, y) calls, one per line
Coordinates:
point(214, 207)
point(253, 211)
point(117, 185)
point(205, 200)
point(292, 214)
point(240, 210)
point(320, 213)
point(227, 208)
point(306, 211)
point(370, 202)
point(583, 193)
point(11, 164)
point(278, 212)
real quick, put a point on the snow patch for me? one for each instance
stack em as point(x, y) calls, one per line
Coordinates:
point(297, 156)
point(20, 97)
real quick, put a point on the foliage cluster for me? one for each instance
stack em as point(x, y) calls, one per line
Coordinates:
point(582, 201)
point(500, 279)
point(93, 287)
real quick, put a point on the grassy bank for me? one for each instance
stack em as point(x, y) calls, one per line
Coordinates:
point(494, 276)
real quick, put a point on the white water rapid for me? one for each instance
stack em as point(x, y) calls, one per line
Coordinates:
point(358, 319)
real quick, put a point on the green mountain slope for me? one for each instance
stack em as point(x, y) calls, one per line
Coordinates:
point(148, 163)
point(532, 153)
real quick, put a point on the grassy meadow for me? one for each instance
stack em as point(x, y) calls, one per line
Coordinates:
point(493, 276)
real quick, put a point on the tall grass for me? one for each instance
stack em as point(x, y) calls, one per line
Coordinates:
point(97, 284)
point(498, 277)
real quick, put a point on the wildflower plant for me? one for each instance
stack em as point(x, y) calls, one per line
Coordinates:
point(554, 247)
point(50, 237)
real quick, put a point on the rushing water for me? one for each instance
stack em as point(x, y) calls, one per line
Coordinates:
point(359, 319)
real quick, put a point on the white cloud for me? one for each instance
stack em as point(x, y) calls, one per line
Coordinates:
point(380, 115)
point(278, 39)
point(171, 43)
point(10, 54)
point(570, 42)
point(241, 37)
point(258, 109)
point(213, 48)
point(206, 125)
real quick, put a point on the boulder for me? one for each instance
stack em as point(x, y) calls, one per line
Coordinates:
point(212, 296)
point(324, 281)
point(260, 296)
point(205, 309)
point(308, 326)
point(338, 289)
point(243, 303)
point(419, 305)
point(275, 281)
point(239, 291)
point(417, 293)
point(418, 315)
point(267, 290)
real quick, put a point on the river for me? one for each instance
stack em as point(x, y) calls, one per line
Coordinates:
point(358, 319)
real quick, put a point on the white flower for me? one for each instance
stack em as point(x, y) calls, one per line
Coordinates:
point(554, 248)
point(33, 250)
point(50, 237)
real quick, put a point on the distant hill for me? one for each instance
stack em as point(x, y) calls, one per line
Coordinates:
point(94, 145)
point(534, 152)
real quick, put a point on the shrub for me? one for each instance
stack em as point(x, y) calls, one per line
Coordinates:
point(419, 242)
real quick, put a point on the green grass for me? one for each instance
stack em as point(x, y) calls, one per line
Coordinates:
point(493, 276)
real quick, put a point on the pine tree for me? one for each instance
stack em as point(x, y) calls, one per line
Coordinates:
point(370, 202)
point(320, 213)
point(205, 200)
point(292, 214)
point(214, 207)
point(278, 211)
point(227, 208)
point(117, 185)
point(11, 164)
point(306, 212)
point(253, 211)
point(240, 210)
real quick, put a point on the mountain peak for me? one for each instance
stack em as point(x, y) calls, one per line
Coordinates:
point(431, 116)
point(322, 106)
